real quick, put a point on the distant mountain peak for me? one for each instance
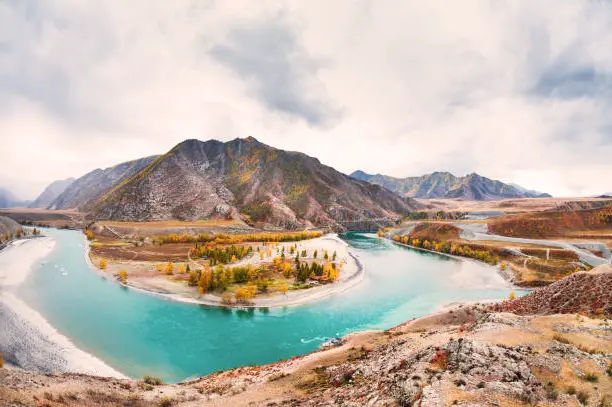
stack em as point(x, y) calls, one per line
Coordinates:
point(9, 200)
point(442, 184)
point(51, 192)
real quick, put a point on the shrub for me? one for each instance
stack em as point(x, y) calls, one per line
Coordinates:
point(166, 402)
point(561, 339)
point(441, 359)
point(571, 390)
point(277, 376)
point(123, 275)
point(591, 377)
point(583, 397)
point(152, 380)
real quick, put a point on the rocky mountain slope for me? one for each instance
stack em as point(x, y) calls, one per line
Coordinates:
point(86, 190)
point(467, 355)
point(446, 185)
point(9, 200)
point(246, 179)
point(582, 292)
point(51, 192)
point(8, 225)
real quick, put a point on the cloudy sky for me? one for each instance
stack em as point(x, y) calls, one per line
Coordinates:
point(515, 90)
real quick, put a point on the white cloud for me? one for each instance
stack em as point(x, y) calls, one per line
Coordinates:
point(516, 90)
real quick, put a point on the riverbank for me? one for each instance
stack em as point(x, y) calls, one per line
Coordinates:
point(26, 338)
point(352, 273)
point(467, 356)
point(508, 277)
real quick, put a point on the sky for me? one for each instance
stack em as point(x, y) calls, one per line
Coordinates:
point(514, 90)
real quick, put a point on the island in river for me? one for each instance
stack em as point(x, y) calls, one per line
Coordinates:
point(247, 269)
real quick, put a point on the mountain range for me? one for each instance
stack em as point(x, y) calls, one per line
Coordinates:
point(51, 193)
point(239, 179)
point(9, 200)
point(446, 185)
point(83, 192)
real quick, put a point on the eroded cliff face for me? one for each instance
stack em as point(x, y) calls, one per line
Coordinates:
point(246, 179)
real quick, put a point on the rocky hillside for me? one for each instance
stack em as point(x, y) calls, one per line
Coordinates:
point(246, 179)
point(51, 193)
point(86, 190)
point(9, 200)
point(446, 185)
point(583, 292)
point(8, 226)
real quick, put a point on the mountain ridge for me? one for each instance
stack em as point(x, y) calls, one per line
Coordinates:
point(443, 184)
point(9, 200)
point(246, 179)
point(82, 193)
point(51, 192)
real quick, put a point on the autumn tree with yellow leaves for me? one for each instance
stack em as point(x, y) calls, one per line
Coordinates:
point(123, 275)
point(169, 269)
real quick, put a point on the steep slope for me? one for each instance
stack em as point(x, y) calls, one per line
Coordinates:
point(9, 200)
point(86, 190)
point(585, 291)
point(8, 226)
point(248, 179)
point(447, 185)
point(51, 193)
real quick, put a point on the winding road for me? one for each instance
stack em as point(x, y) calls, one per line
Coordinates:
point(476, 231)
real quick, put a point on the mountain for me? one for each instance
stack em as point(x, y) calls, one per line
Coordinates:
point(50, 193)
point(82, 193)
point(246, 179)
point(8, 226)
point(447, 185)
point(9, 200)
point(531, 193)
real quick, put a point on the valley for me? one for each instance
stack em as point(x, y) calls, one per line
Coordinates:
point(305, 204)
point(190, 265)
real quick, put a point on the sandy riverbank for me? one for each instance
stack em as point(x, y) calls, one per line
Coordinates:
point(26, 338)
point(505, 274)
point(351, 274)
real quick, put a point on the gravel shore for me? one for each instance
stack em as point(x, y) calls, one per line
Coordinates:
point(26, 338)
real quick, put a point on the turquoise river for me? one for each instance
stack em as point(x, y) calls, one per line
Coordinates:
point(140, 334)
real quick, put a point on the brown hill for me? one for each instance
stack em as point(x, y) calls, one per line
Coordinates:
point(586, 291)
point(553, 223)
point(246, 179)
